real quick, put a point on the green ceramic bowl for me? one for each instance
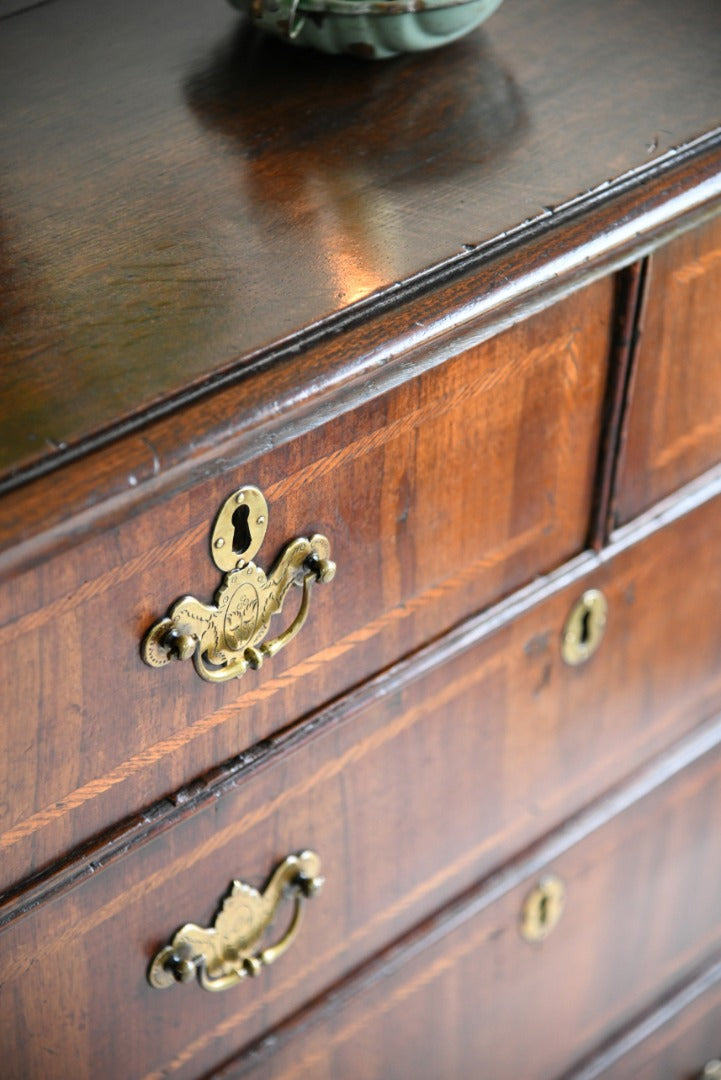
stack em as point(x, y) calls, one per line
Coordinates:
point(374, 29)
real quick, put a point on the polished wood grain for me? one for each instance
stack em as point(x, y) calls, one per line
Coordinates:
point(652, 605)
point(458, 312)
point(194, 195)
point(674, 422)
point(275, 403)
point(630, 294)
point(466, 996)
point(466, 754)
point(674, 1041)
point(439, 498)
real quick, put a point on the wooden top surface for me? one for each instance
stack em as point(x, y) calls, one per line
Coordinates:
point(180, 195)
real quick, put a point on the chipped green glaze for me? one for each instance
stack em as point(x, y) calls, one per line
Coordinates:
point(375, 29)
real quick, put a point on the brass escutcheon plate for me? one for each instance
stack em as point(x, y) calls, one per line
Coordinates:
point(543, 908)
point(584, 628)
point(239, 529)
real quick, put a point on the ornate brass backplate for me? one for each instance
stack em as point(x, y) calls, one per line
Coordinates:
point(225, 638)
point(226, 953)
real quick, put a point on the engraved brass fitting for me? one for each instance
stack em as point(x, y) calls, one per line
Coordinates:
point(224, 954)
point(226, 638)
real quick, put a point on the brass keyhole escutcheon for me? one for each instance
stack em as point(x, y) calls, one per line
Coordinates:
point(584, 628)
point(542, 909)
point(239, 529)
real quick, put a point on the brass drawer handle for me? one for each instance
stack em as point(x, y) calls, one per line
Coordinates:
point(224, 639)
point(224, 954)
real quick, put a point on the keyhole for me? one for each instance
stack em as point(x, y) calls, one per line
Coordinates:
point(542, 909)
point(241, 529)
point(585, 635)
point(584, 628)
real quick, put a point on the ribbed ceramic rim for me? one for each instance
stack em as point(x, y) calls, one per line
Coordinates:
point(381, 7)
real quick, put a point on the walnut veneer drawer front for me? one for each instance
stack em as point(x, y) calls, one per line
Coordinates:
point(674, 424)
point(466, 753)
point(438, 497)
point(678, 1039)
point(641, 906)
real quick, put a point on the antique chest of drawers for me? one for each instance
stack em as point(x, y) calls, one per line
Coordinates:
point(439, 343)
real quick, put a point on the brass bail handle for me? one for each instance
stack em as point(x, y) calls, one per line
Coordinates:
point(226, 638)
point(227, 953)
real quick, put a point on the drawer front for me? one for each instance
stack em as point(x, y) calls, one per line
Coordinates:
point(437, 498)
point(678, 1040)
point(674, 422)
point(410, 790)
point(641, 906)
